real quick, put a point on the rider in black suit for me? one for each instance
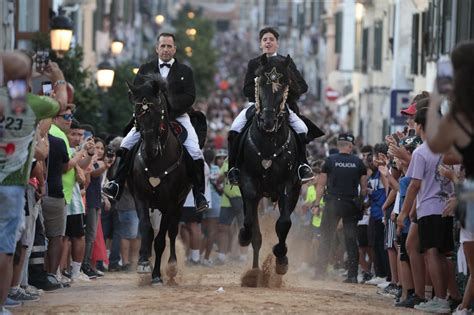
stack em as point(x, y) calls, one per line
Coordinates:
point(269, 45)
point(181, 95)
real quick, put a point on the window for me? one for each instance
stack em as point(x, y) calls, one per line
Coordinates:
point(378, 37)
point(414, 43)
point(338, 21)
point(446, 26)
point(28, 20)
point(30, 17)
point(424, 40)
point(464, 21)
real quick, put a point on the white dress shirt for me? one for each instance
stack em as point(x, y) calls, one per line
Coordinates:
point(164, 71)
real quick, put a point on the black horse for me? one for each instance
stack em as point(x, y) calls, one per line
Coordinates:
point(159, 179)
point(269, 159)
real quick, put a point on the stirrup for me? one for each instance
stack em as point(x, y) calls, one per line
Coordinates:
point(305, 179)
point(110, 186)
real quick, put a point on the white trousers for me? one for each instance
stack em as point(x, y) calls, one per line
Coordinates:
point(191, 143)
point(295, 122)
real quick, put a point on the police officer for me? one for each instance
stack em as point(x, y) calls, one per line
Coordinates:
point(342, 174)
point(181, 93)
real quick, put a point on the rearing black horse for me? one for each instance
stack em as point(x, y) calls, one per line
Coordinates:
point(269, 159)
point(159, 179)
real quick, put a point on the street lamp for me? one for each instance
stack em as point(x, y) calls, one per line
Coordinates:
point(159, 19)
point(191, 32)
point(116, 47)
point(105, 75)
point(61, 34)
point(189, 51)
point(135, 67)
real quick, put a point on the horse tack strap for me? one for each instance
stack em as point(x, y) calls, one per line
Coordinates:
point(267, 163)
point(155, 181)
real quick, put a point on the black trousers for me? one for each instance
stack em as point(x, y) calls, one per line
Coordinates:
point(377, 241)
point(334, 210)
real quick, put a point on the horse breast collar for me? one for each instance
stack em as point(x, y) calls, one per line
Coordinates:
point(267, 162)
point(156, 180)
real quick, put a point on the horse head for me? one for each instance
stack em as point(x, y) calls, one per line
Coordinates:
point(271, 91)
point(150, 111)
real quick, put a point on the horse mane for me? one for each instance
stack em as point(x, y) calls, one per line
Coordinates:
point(153, 80)
point(294, 88)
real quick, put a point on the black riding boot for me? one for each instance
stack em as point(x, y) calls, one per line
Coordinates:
point(233, 174)
point(305, 173)
point(199, 186)
point(114, 188)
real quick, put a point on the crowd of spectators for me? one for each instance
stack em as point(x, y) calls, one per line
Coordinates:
point(56, 227)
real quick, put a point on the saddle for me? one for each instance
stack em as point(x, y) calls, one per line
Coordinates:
point(198, 120)
point(313, 130)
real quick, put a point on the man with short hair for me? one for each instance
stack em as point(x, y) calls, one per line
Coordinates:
point(181, 93)
point(342, 173)
point(268, 37)
point(54, 209)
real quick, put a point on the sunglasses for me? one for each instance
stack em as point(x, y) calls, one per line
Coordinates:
point(67, 116)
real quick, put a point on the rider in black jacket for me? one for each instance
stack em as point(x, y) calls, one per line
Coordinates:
point(181, 94)
point(269, 45)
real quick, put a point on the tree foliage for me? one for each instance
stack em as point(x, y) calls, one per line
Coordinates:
point(106, 111)
point(203, 57)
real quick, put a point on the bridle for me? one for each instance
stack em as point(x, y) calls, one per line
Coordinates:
point(281, 107)
point(145, 107)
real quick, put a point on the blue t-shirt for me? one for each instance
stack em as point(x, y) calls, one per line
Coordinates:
point(377, 196)
point(404, 182)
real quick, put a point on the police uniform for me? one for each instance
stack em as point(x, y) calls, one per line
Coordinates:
point(343, 177)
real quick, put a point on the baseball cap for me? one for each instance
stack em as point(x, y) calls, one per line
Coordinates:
point(410, 110)
point(346, 137)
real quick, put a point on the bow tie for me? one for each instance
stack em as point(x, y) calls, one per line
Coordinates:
point(165, 65)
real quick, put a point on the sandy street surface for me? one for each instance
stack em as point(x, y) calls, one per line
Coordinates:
point(198, 286)
point(196, 293)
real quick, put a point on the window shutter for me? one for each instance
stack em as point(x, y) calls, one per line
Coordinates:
point(414, 43)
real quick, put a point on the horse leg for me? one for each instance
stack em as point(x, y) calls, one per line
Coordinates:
point(160, 244)
point(287, 203)
point(172, 269)
point(147, 234)
point(256, 238)
point(250, 207)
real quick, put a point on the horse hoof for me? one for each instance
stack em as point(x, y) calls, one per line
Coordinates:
point(245, 237)
point(281, 266)
point(156, 282)
point(144, 267)
point(172, 270)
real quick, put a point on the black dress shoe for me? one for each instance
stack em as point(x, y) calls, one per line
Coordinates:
point(305, 173)
point(111, 190)
point(233, 176)
point(201, 203)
